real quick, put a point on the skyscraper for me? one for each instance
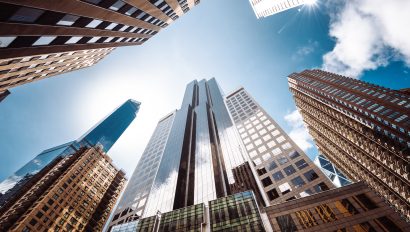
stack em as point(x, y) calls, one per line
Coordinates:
point(363, 129)
point(283, 168)
point(44, 38)
point(331, 171)
point(193, 157)
point(75, 192)
point(106, 133)
point(353, 207)
point(265, 8)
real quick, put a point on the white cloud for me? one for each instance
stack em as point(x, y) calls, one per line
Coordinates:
point(369, 34)
point(299, 133)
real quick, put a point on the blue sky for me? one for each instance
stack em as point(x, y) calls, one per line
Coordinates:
point(221, 39)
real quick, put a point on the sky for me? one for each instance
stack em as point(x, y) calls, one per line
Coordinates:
point(217, 38)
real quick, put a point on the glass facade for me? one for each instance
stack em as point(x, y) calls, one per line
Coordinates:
point(333, 173)
point(200, 158)
point(134, 198)
point(200, 154)
point(111, 128)
point(105, 133)
point(238, 212)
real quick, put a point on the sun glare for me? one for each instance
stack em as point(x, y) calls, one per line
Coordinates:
point(310, 2)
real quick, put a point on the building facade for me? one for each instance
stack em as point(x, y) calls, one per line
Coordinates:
point(353, 207)
point(362, 128)
point(44, 38)
point(237, 212)
point(265, 8)
point(284, 170)
point(194, 156)
point(105, 133)
point(331, 171)
point(75, 192)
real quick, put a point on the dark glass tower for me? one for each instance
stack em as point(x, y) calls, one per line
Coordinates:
point(192, 158)
point(105, 133)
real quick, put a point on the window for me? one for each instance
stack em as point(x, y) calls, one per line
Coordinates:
point(282, 160)
point(286, 223)
point(298, 182)
point(94, 23)
point(273, 194)
point(5, 41)
point(44, 40)
point(117, 5)
point(388, 224)
point(311, 175)
point(301, 164)
point(33, 222)
point(280, 139)
point(285, 188)
point(27, 15)
point(277, 176)
point(276, 151)
point(93, 1)
point(39, 215)
point(272, 166)
point(320, 187)
point(94, 39)
point(261, 171)
point(289, 170)
point(73, 40)
point(68, 20)
point(294, 154)
point(266, 181)
point(365, 202)
point(286, 146)
point(111, 26)
point(131, 11)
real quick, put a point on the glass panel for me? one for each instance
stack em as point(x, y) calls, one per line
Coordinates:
point(94, 23)
point(73, 39)
point(25, 14)
point(68, 20)
point(44, 40)
point(6, 41)
point(116, 6)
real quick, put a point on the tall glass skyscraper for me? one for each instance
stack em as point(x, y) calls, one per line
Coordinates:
point(105, 133)
point(191, 158)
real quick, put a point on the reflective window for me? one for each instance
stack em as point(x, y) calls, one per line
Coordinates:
point(94, 39)
point(44, 40)
point(301, 164)
point(277, 176)
point(25, 14)
point(131, 11)
point(73, 39)
point(5, 41)
point(117, 5)
point(311, 175)
point(272, 194)
point(289, 170)
point(94, 23)
point(68, 20)
point(298, 181)
point(294, 154)
point(282, 160)
point(111, 26)
point(272, 166)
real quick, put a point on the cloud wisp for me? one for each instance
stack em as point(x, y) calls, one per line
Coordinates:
point(299, 133)
point(368, 34)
